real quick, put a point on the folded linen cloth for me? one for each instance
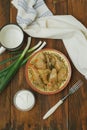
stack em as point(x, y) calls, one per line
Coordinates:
point(38, 21)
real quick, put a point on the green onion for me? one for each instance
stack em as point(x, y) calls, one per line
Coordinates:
point(13, 69)
point(24, 61)
point(15, 57)
point(9, 59)
point(7, 73)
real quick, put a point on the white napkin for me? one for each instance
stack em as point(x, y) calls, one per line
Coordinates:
point(37, 21)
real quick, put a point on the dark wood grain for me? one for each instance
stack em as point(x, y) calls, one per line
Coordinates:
point(72, 115)
point(5, 99)
point(78, 8)
point(77, 103)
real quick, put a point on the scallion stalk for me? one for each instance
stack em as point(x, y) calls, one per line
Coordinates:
point(15, 57)
point(14, 69)
point(7, 73)
point(29, 51)
point(26, 59)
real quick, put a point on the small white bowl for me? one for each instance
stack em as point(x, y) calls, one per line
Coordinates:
point(24, 100)
point(11, 37)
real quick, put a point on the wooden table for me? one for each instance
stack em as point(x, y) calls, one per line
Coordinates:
point(72, 115)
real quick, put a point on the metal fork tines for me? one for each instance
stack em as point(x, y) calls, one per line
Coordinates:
point(76, 86)
point(73, 89)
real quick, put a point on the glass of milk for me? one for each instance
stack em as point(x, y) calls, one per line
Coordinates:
point(11, 37)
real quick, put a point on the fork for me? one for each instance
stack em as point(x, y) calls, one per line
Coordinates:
point(72, 90)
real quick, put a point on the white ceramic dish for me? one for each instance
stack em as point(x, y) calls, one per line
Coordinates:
point(11, 37)
point(24, 100)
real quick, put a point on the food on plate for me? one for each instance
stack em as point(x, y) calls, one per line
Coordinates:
point(48, 70)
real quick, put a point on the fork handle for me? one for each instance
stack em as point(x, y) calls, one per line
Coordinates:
point(52, 110)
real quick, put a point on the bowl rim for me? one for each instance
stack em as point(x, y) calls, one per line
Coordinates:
point(49, 92)
point(21, 43)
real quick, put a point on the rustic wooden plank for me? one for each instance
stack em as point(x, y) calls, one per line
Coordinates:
point(59, 120)
point(4, 12)
point(78, 8)
point(5, 96)
point(78, 102)
point(58, 7)
point(32, 120)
